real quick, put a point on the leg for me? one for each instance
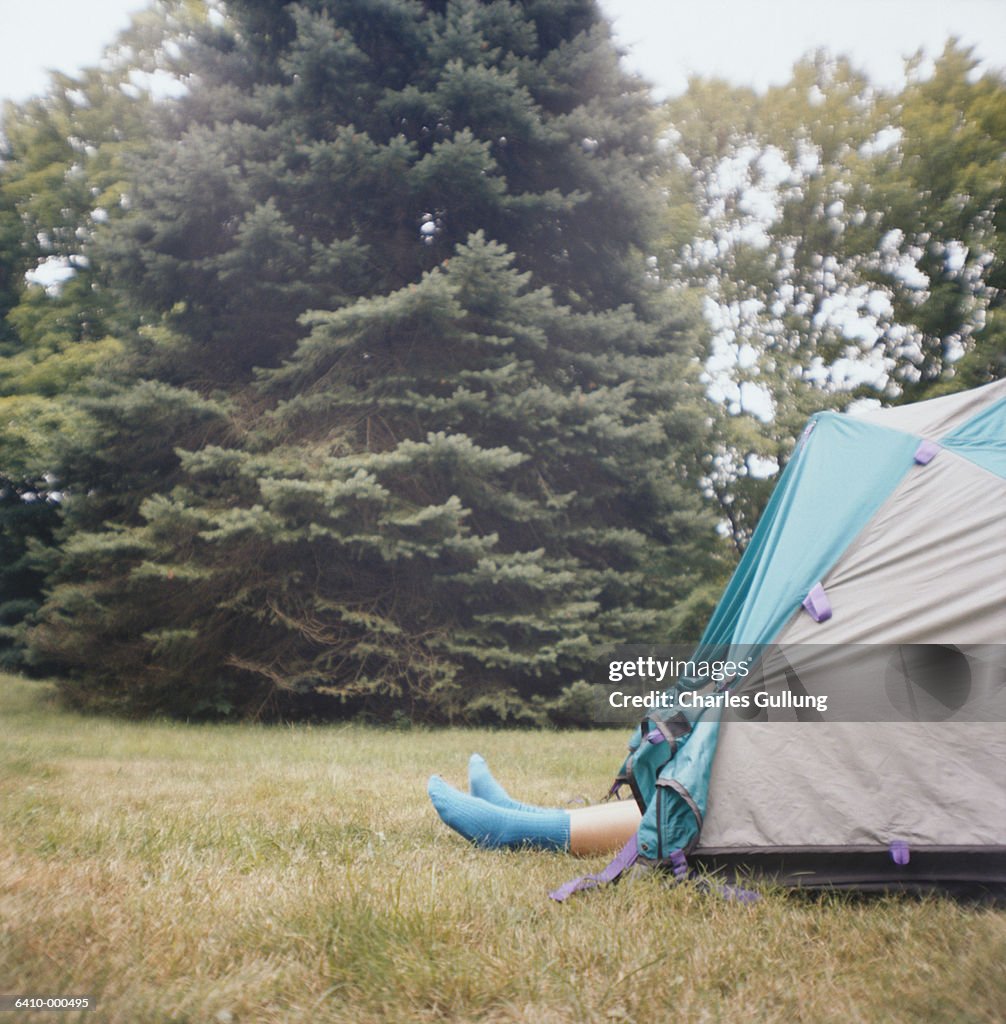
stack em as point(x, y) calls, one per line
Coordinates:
point(602, 828)
point(584, 830)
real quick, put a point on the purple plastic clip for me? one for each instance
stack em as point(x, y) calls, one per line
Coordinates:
point(730, 893)
point(817, 604)
point(926, 452)
point(900, 853)
point(735, 894)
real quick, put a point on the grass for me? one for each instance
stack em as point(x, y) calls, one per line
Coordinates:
point(227, 874)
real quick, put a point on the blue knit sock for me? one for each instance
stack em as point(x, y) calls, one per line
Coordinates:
point(482, 784)
point(490, 826)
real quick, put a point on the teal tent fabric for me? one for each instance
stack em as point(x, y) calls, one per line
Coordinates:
point(982, 439)
point(843, 471)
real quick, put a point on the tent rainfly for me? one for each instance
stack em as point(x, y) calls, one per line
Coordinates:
point(883, 546)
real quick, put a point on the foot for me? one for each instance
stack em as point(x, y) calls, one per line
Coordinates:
point(493, 827)
point(482, 784)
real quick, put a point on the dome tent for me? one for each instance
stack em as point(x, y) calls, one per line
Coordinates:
point(884, 537)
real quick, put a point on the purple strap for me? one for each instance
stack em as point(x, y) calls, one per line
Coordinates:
point(679, 864)
point(736, 894)
point(926, 452)
point(726, 891)
point(817, 604)
point(624, 859)
point(655, 736)
point(900, 853)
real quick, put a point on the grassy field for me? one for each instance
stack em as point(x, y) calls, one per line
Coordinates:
point(223, 874)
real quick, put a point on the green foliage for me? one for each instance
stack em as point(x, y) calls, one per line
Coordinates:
point(954, 135)
point(405, 427)
point(847, 244)
point(62, 175)
point(368, 376)
point(366, 541)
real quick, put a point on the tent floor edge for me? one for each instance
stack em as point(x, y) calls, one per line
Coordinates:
point(954, 870)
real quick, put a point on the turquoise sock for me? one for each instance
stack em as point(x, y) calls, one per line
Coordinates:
point(482, 784)
point(490, 826)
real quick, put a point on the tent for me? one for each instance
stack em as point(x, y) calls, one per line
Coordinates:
point(883, 546)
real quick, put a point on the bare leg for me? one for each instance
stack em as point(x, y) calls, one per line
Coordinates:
point(602, 828)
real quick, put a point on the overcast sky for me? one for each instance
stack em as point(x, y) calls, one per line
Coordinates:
point(748, 42)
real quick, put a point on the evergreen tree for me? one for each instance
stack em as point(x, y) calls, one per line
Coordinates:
point(414, 426)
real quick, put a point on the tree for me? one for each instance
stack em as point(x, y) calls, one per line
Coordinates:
point(845, 243)
point(949, 218)
point(413, 429)
point(62, 169)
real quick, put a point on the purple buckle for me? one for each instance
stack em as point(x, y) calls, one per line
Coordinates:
point(816, 603)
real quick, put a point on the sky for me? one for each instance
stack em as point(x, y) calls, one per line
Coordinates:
point(747, 42)
point(756, 42)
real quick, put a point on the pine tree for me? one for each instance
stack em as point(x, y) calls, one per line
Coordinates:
point(420, 435)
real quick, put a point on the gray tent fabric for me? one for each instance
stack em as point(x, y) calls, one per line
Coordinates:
point(836, 784)
point(939, 416)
